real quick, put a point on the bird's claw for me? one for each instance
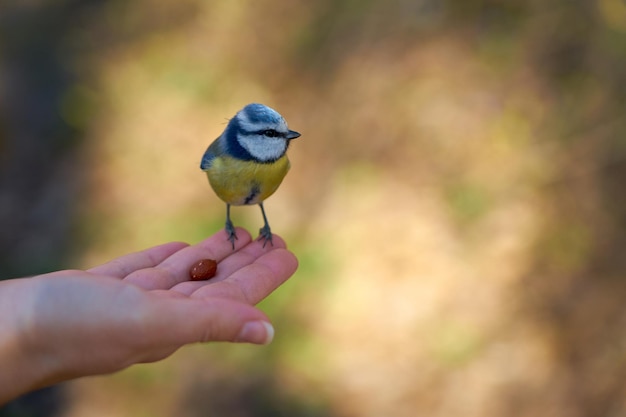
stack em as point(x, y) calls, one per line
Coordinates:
point(266, 234)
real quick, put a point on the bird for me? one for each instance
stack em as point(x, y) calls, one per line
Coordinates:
point(248, 161)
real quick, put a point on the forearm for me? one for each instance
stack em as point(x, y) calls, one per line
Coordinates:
point(16, 374)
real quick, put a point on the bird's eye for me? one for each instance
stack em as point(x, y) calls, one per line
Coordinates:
point(270, 133)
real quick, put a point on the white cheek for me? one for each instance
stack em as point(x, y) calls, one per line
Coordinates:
point(263, 148)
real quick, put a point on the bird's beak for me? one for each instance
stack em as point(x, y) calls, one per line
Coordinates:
point(292, 134)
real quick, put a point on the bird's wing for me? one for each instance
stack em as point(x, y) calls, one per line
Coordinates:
point(213, 151)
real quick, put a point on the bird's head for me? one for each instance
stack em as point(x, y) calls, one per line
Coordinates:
point(259, 133)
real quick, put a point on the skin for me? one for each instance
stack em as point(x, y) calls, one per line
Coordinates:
point(137, 308)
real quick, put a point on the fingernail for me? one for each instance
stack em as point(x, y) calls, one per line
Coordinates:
point(258, 332)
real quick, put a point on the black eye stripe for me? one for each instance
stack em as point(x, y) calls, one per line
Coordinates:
point(270, 133)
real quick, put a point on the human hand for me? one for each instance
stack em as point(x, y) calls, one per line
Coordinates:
point(137, 308)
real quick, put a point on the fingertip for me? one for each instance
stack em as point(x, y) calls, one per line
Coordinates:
point(290, 260)
point(182, 320)
point(281, 263)
point(171, 248)
point(166, 249)
point(259, 332)
point(278, 241)
point(147, 258)
point(265, 246)
point(242, 235)
point(175, 243)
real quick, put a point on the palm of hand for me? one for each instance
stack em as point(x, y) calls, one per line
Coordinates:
point(142, 307)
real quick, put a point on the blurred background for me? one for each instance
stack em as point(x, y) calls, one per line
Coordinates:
point(457, 199)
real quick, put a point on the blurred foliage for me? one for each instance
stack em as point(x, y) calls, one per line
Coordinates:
point(456, 199)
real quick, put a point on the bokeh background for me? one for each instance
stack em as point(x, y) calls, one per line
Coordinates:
point(457, 199)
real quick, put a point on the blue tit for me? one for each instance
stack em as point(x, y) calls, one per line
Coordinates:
point(248, 161)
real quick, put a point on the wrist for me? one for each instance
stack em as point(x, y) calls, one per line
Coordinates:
point(21, 370)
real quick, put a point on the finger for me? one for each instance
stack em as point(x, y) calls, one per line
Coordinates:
point(256, 281)
point(124, 265)
point(178, 321)
point(175, 268)
point(246, 256)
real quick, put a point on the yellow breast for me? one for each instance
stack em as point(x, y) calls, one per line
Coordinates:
point(240, 182)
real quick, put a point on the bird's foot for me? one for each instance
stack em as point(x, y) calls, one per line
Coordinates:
point(266, 234)
point(230, 231)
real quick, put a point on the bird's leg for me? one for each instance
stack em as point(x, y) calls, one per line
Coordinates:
point(230, 229)
point(265, 232)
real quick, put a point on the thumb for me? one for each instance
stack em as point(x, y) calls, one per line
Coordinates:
point(181, 321)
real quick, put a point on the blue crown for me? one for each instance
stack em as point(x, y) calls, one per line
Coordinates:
point(257, 113)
